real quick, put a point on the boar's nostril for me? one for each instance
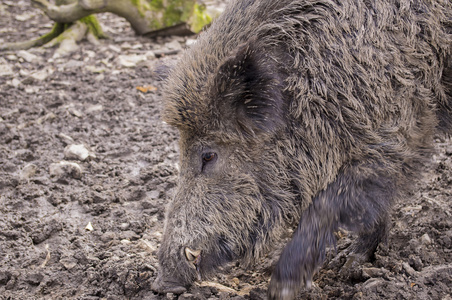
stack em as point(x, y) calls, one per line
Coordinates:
point(192, 255)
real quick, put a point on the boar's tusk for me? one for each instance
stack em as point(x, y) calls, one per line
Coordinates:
point(191, 255)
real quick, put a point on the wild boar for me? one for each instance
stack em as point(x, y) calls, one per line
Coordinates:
point(300, 113)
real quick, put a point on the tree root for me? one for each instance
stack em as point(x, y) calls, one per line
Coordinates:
point(66, 35)
point(57, 29)
point(68, 39)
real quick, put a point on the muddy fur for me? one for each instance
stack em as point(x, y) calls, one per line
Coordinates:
point(318, 113)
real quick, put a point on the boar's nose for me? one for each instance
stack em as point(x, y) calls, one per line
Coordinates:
point(160, 285)
point(192, 255)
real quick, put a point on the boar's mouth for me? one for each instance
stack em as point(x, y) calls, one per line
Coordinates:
point(207, 261)
point(176, 273)
point(200, 262)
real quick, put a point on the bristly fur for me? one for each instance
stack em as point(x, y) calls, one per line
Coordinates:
point(319, 111)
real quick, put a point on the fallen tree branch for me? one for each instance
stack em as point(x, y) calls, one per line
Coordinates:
point(142, 16)
point(146, 17)
point(67, 13)
point(72, 12)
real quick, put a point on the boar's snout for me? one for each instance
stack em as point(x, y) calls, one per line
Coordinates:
point(162, 285)
point(169, 279)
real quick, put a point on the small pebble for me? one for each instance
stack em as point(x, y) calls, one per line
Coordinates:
point(28, 171)
point(75, 112)
point(27, 56)
point(34, 278)
point(416, 262)
point(15, 82)
point(131, 61)
point(153, 194)
point(425, 239)
point(412, 210)
point(65, 168)
point(89, 227)
point(69, 262)
point(373, 272)
point(190, 42)
point(65, 138)
point(114, 48)
point(94, 108)
point(372, 283)
point(174, 45)
point(124, 226)
point(11, 57)
point(408, 269)
point(108, 236)
point(78, 152)
point(5, 69)
point(41, 75)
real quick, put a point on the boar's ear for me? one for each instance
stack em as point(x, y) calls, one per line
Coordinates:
point(247, 91)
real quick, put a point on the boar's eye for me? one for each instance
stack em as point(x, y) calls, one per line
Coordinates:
point(207, 159)
point(208, 156)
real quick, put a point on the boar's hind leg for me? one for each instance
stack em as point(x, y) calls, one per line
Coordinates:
point(359, 199)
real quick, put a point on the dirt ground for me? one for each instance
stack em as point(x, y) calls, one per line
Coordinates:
point(86, 224)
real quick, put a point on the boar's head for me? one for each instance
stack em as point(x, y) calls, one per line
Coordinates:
point(234, 193)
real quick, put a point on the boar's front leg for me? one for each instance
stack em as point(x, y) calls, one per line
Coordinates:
point(359, 199)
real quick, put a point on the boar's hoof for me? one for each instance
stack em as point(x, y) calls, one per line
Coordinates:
point(163, 286)
point(278, 290)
